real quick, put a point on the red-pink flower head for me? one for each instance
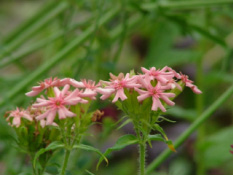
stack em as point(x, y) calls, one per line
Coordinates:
point(58, 104)
point(17, 115)
point(161, 75)
point(117, 85)
point(50, 82)
point(156, 93)
point(189, 83)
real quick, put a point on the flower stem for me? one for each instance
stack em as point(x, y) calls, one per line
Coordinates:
point(199, 121)
point(67, 155)
point(142, 158)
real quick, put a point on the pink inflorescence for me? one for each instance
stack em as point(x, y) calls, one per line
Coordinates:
point(62, 99)
point(153, 83)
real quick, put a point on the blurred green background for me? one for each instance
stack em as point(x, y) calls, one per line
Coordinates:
point(90, 38)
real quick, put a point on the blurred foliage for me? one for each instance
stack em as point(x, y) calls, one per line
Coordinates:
point(89, 39)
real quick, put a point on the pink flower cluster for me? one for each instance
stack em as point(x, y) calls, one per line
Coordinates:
point(152, 83)
point(63, 99)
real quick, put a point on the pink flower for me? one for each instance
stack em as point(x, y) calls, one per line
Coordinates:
point(75, 83)
point(58, 104)
point(17, 115)
point(189, 83)
point(90, 88)
point(116, 86)
point(161, 75)
point(156, 93)
point(43, 123)
point(50, 82)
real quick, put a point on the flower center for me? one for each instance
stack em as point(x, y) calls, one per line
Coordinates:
point(58, 103)
point(119, 85)
point(154, 73)
point(154, 91)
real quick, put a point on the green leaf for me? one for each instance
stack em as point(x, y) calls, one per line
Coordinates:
point(161, 118)
point(90, 173)
point(124, 123)
point(161, 50)
point(178, 112)
point(216, 148)
point(90, 148)
point(156, 137)
point(121, 143)
point(51, 146)
point(167, 141)
point(208, 35)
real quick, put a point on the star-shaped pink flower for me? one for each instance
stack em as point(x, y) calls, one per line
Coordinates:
point(156, 93)
point(17, 115)
point(189, 83)
point(58, 104)
point(161, 75)
point(50, 82)
point(117, 85)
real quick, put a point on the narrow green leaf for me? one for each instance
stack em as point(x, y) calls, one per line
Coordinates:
point(90, 148)
point(156, 137)
point(25, 25)
point(209, 35)
point(124, 123)
point(90, 173)
point(161, 118)
point(51, 146)
point(58, 57)
point(121, 143)
point(36, 46)
point(7, 49)
point(184, 5)
point(178, 112)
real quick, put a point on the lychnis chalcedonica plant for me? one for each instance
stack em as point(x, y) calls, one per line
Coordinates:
point(60, 118)
point(144, 98)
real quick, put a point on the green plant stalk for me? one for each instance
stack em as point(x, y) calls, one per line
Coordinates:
point(142, 158)
point(67, 155)
point(23, 27)
point(200, 120)
point(58, 57)
point(201, 130)
point(33, 29)
point(38, 45)
point(184, 4)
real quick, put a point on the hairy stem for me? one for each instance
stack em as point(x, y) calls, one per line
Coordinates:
point(142, 158)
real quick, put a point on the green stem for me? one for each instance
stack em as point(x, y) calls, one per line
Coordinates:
point(184, 4)
point(67, 155)
point(200, 120)
point(201, 130)
point(142, 158)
